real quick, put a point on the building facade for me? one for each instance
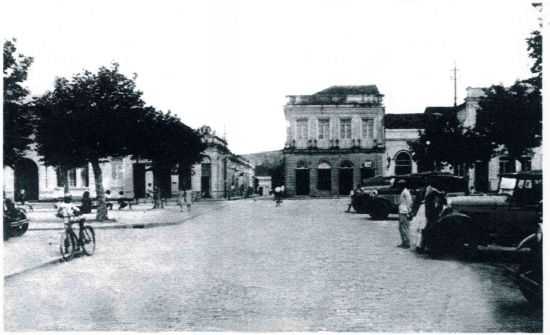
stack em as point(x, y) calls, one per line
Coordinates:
point(219, 171)
point(335, 139)
point(400, 129)
point(221, 174)
point(484, 176)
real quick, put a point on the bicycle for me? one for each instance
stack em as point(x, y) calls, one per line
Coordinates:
point(71, 243)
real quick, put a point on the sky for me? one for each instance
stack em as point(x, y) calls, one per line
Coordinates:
point(230, 64)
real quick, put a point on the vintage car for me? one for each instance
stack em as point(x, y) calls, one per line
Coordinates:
point(379, 196)
point(16, 222)
point(503, 218)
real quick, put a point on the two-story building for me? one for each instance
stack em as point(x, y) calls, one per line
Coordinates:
point(335, 139)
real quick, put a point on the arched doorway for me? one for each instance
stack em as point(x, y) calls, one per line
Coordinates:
point(403, 163)
point(302, 178)
point(26, 177)
point(324, 177)
point(206, 173)
point(367, 170)
point(345, 177)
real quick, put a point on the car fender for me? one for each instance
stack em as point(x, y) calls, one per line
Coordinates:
point(527, 241)
point(455, 223)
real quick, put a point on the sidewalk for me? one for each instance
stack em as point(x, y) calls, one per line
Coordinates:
point(39, 246)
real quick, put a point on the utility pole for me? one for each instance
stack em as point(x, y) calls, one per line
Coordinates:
point(454, 79)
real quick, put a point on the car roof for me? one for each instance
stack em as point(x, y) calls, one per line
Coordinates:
point(524, 174)
point(428, 174)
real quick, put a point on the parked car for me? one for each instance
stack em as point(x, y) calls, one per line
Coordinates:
point(503, 218)
point(379, 196)
point(16, 222)
point(529, 274)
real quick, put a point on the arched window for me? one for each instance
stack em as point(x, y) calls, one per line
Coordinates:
point(403, 163)
point(323, 176)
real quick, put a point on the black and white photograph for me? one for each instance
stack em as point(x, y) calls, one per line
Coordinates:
point(273, 166)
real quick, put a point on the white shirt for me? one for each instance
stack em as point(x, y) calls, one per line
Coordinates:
point(405, 201)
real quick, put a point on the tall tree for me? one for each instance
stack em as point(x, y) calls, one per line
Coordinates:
point(88, 119)
point(167, 142)
point(512, 117)
point(444, 141)
point(18, 121)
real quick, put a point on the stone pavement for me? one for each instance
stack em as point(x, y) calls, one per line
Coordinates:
point(304, 266)
point(39, 246)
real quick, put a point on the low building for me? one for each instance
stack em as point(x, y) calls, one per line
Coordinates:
point(400, 129)
point(219, 171)
point(264, 185)
point(220, 174)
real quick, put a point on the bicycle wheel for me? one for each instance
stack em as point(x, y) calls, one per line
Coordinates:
point(66, 246)
point(88, 240)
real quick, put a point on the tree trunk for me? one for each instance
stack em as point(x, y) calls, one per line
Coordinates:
point(100, 192)
point(65, 174)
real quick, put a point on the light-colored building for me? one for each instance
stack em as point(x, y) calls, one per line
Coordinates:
point(335, 139)
point(401, 129)
point(484, 175)
point(219, 172)
point(264, 185)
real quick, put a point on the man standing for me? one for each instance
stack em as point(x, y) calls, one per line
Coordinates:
point(405, 203)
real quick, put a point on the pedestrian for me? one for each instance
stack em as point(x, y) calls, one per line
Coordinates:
point(405, 204)
point(108, 202)
point(22, 196)
point(351, 195)
point(156, 197)
point(85, 203)
point(434, 201)
point(149, 192)
point(188, 199)
point(123, 202)
point(277, 195)
point(181, 199)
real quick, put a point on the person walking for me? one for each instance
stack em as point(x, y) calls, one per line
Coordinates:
point(277, 196)
point(351, 195)
point(22, 196)
point(181, 199)
point(86, 203)
point(149, 192)
point(405, 203)
point(188, 199)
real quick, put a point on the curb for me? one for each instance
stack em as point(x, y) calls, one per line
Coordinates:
point(36, 267)
point(97, 225)
point(127, 226)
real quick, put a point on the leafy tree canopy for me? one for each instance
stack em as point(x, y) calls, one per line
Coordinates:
point(512, 117)
point(18, 121)
point(444, 141)
point(166, 141)
point(88, 118)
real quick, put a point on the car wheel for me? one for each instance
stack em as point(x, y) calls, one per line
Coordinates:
point(379, 213)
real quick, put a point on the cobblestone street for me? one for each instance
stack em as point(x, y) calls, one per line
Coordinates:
point(251, 266)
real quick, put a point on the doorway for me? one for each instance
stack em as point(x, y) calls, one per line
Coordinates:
point(302, 181)
point(26, 177)
point(345, 178)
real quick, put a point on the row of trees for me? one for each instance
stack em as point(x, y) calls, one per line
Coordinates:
point(88, 119)
point(509, 121)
